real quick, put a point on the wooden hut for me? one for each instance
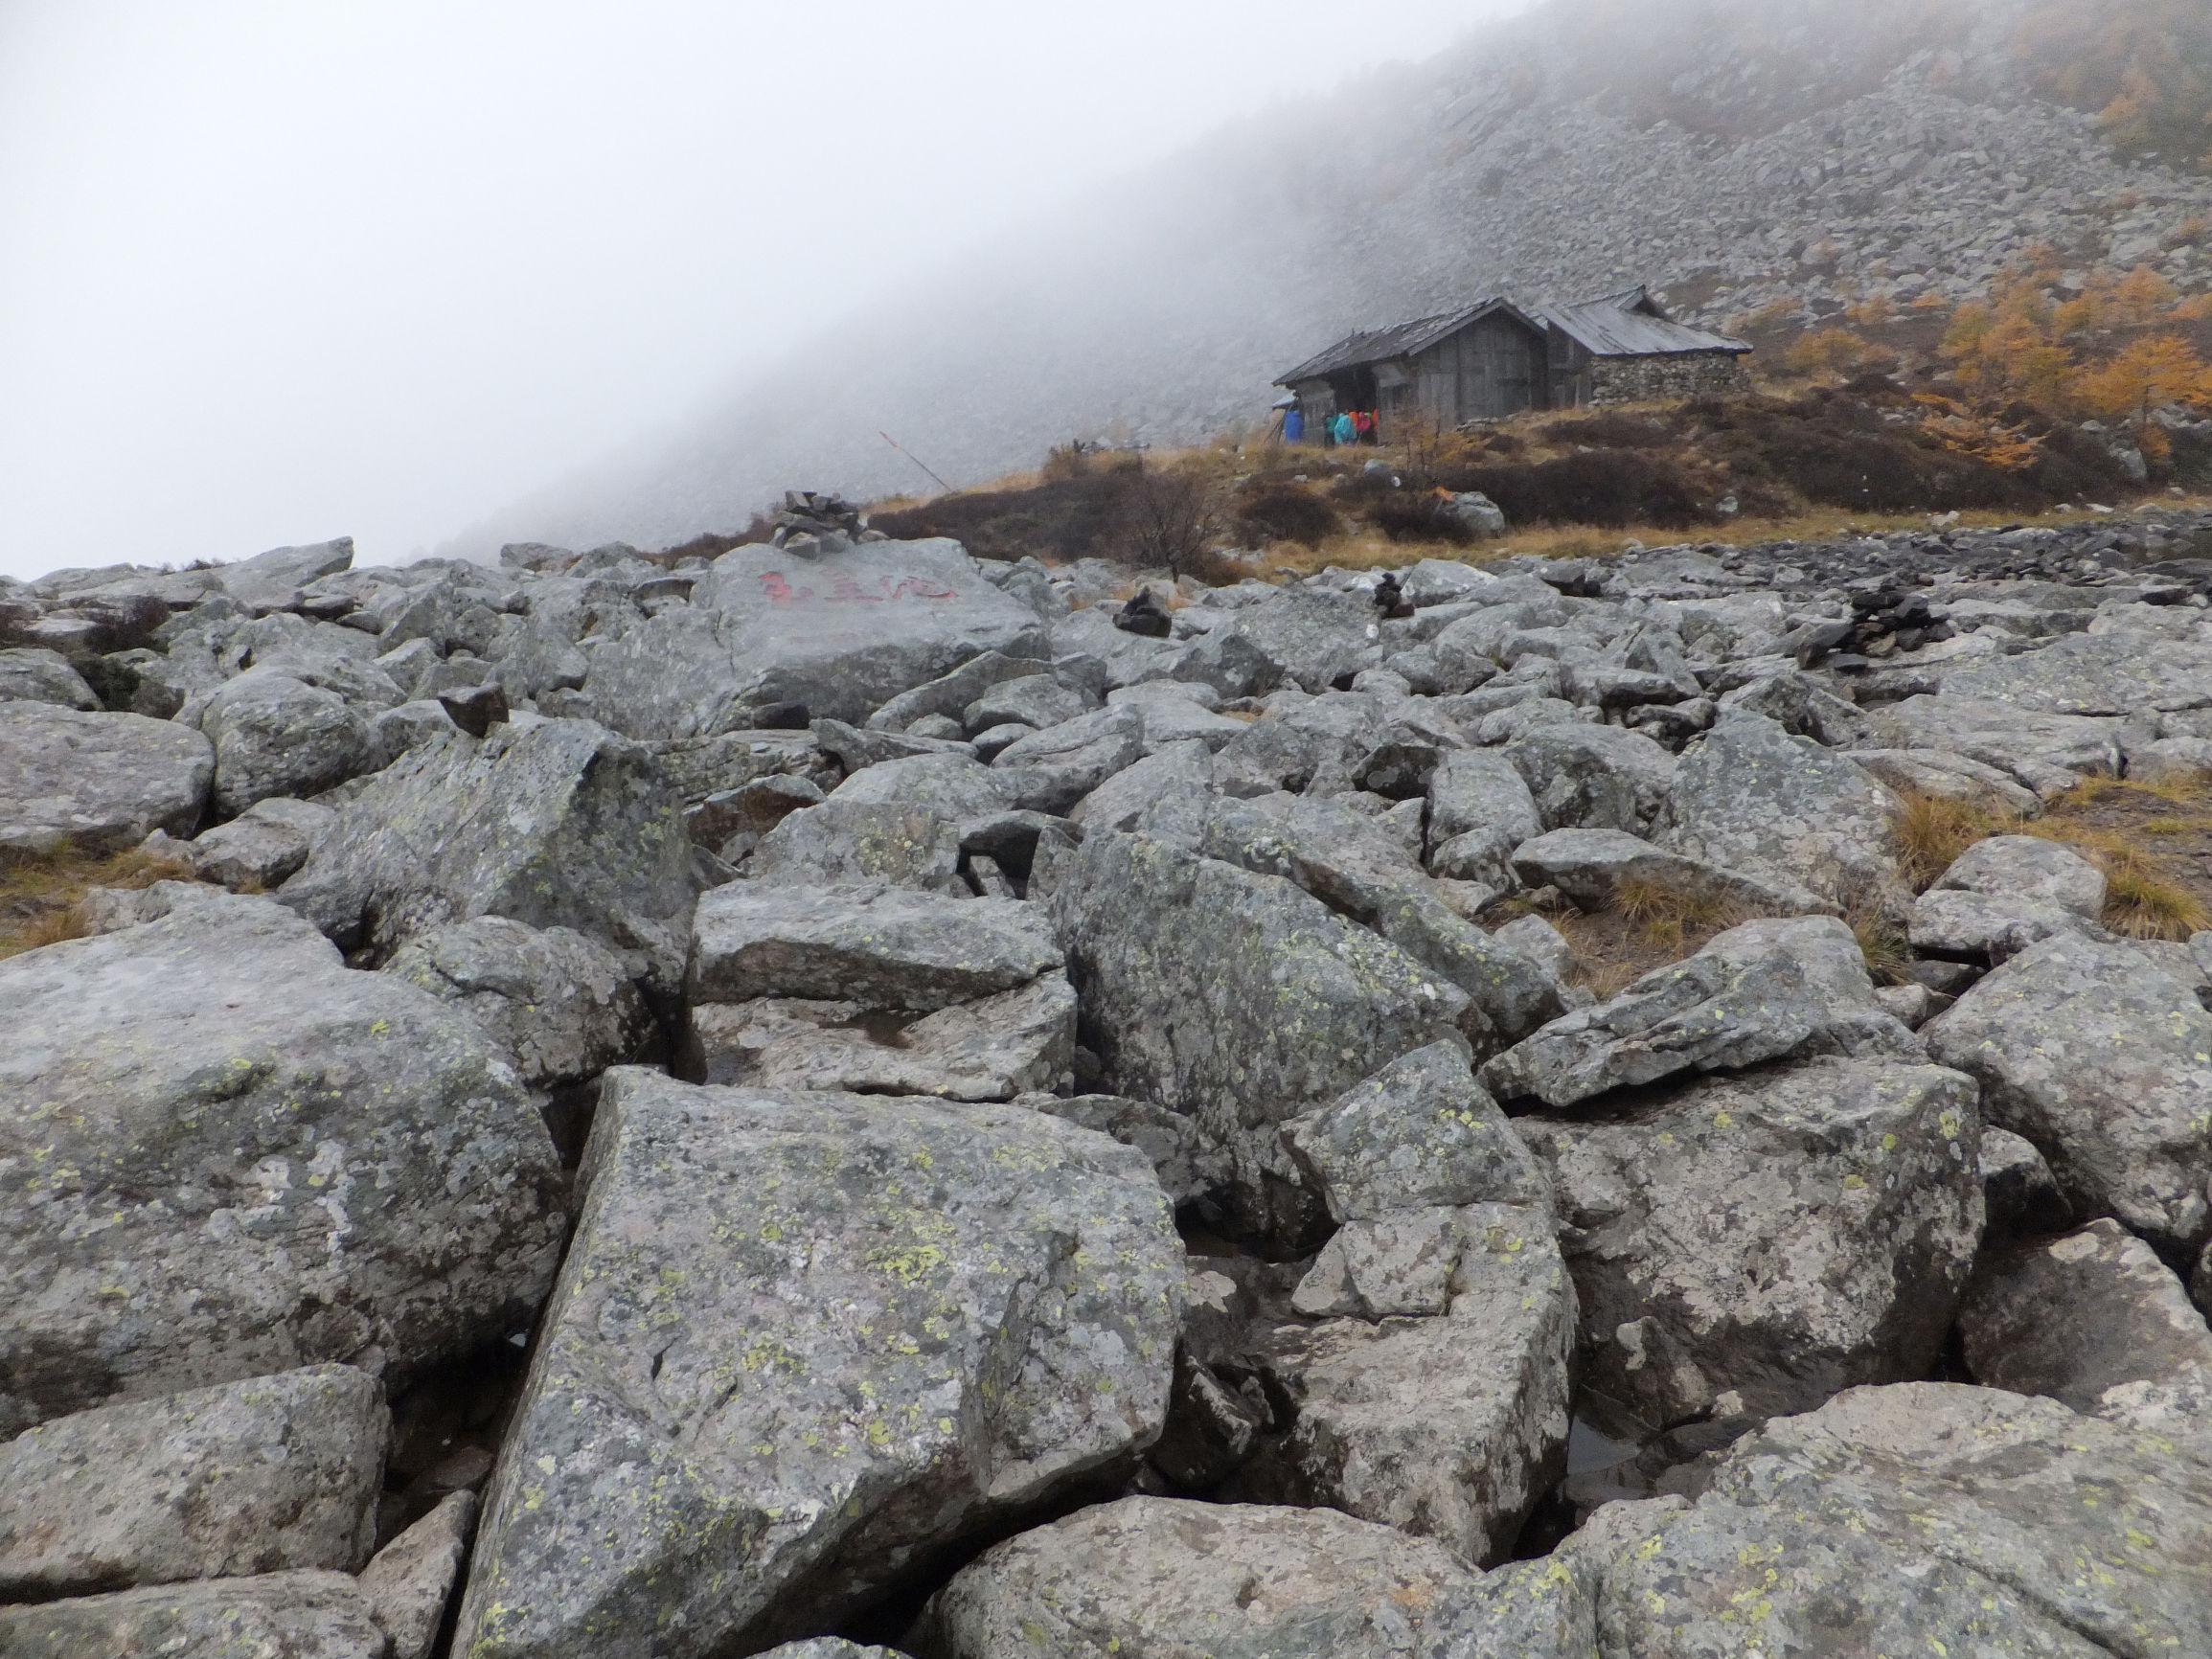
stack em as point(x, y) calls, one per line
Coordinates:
point(1497, 357)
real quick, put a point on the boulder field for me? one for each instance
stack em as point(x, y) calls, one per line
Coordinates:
point(829, 1102)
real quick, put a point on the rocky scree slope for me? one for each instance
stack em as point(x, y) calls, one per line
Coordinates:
point(833, 1095)
point(1741, 158)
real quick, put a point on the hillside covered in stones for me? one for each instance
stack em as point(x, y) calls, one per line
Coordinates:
point(838, 1099)
point(1759, 166)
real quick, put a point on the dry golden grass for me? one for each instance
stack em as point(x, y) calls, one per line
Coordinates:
point(2109, 821)
point(39, 897)
point(1646, 926)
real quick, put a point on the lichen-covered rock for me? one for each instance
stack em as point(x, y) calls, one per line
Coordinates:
point(2083, 673)
point(411, 1582)
point(1749, 796)
point(227, 1154)
point(1761, 1242)
point(1764, 990)
point(96, 782)
point(1190, 1165)
point(1168, 1579)
point(1440, 1406)
point(258, 1476)
point(842, 634)
point(1354, 865)
point(1421, 1132)
point(562, 1005)
point(878, 945)
point(276, 735)
point(1307, 637)
point(847, 840)
point(1926, 1518)
point(1235, 998)
point(2074, 1316)
point(555, 824)
point(2046, 754)
point(1594, 777)
point(302, 1615)
point(2103, 1059)
point(804, 1343)
point(272, 580)
point(1479, 811)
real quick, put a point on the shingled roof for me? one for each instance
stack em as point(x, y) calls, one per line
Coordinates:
point(1401, 340)
point(1612, 327)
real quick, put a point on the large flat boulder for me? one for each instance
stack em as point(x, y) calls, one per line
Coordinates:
point(1763, 991)
point(2101, 1056)
point(96, 782)
point(843, 634)
point(258, 1476)
point(556, 823)
point(2120, 674)
point(1757, 1243)
point(228, 1154)
point(1237, 999)
point(1168, 1579)
point(300, 1615)
point(1926, 1519)
point(803, 1344)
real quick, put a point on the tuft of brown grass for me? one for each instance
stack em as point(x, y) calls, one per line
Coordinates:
point(39, 897)
point(1934, 830)
point(1646, 926)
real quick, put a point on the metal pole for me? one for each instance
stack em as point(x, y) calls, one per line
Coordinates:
point(911, 456)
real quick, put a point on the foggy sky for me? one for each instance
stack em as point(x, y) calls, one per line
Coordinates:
point(277, 270)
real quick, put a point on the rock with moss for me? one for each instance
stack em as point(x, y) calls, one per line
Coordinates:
point(2102, 1058)
point(1926, 1518)
point(1238, 999)
point(95, 782)
point(804, 1345)
point(1421, 1132)
point(552, 822)
point(560, 1005)
point(2073, 1316)
point(1764, 990)
point(259, 1476)
point(1749, 796)
point(1757, 1243)
point(233, 1156)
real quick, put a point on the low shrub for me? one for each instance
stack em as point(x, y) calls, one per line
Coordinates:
point(1285, 512)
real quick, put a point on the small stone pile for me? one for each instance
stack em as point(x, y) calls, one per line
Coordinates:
point(809, 524)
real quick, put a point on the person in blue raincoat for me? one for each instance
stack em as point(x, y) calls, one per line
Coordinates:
point(1342, 430)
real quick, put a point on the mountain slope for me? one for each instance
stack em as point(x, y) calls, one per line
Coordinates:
point(1906, 148)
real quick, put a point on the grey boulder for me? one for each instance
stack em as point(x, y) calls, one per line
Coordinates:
point(277, 736)
point(1757, 1243)
point(562, 1005)
point(2071, 1317)
point(238, 1157)
point(258, 1476)
point(1586, 777)
point(804, 1343)
point(1594, 868)
point(1170, 1579)
point(297, 1615)
point(411, 1582)
point(95, 782)
point(2102, 1058)
point(1763, 991)
point(555, 824)
point(846, 840)
point(1237, 999)
point(29, 674)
